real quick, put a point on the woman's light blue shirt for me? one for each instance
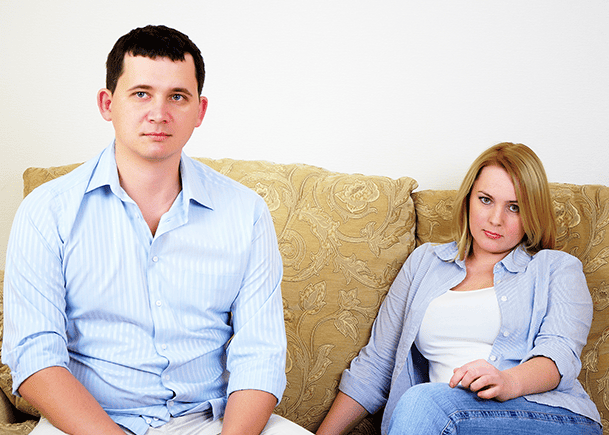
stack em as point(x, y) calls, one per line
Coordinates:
point(152, 326)
point(546, 310)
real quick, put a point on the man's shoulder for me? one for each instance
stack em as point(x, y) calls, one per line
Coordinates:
point(74, 182)
point(217, 184)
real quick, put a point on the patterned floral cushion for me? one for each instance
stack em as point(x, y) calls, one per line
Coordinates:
point(343, 238)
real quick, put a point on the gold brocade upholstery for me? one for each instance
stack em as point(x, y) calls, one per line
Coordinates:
point(343, 238)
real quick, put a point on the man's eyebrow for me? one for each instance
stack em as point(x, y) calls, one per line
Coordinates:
point(148, 87)
point(182, 90)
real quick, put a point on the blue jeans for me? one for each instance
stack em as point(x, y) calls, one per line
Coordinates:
point(437, 409)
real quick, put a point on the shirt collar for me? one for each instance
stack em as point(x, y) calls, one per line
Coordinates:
point(193, 187)
point(516, 261)
point(106, 174)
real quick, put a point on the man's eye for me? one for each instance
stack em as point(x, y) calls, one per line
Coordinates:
point(177, 97)
point(140, 94)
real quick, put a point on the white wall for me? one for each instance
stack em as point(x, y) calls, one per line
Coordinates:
point(388, 87)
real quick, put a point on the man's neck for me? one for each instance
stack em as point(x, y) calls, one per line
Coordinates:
point(153, 185)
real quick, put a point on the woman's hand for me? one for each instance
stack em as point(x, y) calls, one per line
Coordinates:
point(537, 375)
point(483, 378)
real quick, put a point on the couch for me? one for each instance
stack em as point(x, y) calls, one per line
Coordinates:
point(343, 239)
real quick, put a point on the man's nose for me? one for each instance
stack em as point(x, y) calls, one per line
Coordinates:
point(159, 112)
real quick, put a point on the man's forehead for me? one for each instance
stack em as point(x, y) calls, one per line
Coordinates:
point(135, 66)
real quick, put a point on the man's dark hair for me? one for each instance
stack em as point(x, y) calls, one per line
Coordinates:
point(153, 42)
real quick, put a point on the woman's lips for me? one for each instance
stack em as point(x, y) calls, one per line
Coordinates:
point(492, 235)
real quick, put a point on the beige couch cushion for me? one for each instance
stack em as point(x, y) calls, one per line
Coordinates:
point(343, 238)
point(583, 223)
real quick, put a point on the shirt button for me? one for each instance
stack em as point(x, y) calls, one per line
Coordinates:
point(493, 358)
point(167, 377)
point(506, 333)
point(163, 346)
point(158, 303)
point(503, 298)
point(155, 259)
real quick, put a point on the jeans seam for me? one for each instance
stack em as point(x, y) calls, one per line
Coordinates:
point(456, 417)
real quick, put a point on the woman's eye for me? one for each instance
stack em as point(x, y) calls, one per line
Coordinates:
point(485, 200)
point(514, 208)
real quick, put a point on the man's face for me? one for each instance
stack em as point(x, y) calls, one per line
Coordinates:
point(154, 108)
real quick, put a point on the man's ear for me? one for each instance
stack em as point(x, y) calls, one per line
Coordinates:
point(202, 109)
point(104, 104)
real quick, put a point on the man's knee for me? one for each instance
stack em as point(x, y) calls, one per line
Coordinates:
point(282, 426)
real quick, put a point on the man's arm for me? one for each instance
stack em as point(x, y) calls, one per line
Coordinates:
point(66, 403)
point(247, 412)
point(257, 350)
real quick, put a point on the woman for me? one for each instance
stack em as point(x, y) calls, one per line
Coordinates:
point(482, 335)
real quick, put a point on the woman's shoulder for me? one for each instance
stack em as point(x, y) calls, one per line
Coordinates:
point(430, 253)
point(444, 251)
point(556, 256)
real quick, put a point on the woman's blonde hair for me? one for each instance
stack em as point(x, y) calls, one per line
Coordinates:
point(532, 194)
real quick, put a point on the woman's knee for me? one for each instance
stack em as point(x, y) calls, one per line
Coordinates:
point(422, 409)
point(428, 393)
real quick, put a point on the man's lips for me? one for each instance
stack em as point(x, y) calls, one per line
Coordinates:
point(157, 135)
point(492, 235)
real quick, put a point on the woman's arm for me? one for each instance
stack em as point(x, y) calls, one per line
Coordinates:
point(343, 416)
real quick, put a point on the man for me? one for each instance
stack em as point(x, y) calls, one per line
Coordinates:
point(142, 290)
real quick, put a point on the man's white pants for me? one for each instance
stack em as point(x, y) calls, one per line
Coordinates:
point(194, 424)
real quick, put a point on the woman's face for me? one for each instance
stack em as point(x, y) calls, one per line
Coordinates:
point(494, 216)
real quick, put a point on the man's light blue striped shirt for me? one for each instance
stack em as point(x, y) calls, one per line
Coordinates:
point(153, 326)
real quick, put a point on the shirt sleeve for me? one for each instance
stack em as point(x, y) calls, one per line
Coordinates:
point(565, 326)
point(34, 292)
point(256, 353)
point(368, 379)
